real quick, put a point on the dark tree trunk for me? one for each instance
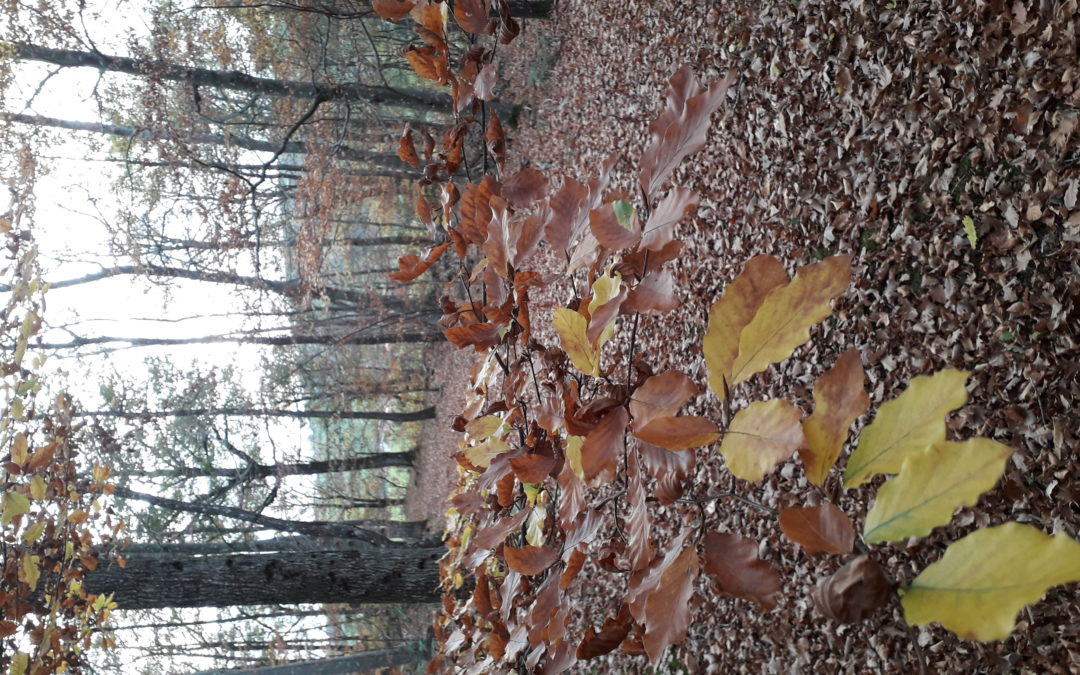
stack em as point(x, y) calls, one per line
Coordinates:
point(363, 662)
point(414, 416)
point(375, 461)
point(406, 575)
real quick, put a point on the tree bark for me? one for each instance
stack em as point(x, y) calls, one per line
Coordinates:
point(362, 662)
point(375, 461)
point(231, 79)
point(393, 162)
point(276, 544)
point(408, 575)
point(279, 340)
point(412, 416)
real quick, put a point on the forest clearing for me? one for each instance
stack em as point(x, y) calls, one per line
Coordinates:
point(611, 336)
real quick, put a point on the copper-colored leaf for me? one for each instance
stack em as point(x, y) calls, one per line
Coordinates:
point(604, 445)
point(407, 150)
point(530, 560)
point(729, 315)
point(839, 399)
point(854, 593)
point(660, 228)
point(667, 609)
point(484, 85)
point(392, 10)
point(610, 636)
point(525, 187)
point(478, 335)
point(475, 209)
point(679, 433)
point(783, 321)
point(661, 395)
point(568, 214)
point(573, 566)
point(654, 293)
point(491, 535)
point(818, 529)
point(496, 142)
point(680, 129)
point(472, 15)
point(638, 521)
point(423, 61)
point(733, 563)
point(533, 467)
point(615, 226)
point(761, 436)
point(670, 469)
point(411, 266)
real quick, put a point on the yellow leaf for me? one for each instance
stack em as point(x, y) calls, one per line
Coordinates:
point(932, 484)
point(30, 570)
point(605, 289)
point(984, 579)
point(839, 399)
point(14, 504)
point(481, 455)
point(761, 436)
point(733, 311)
point(534, 526)
point(481, 428)
point(783, 321)
point(906, 424)
point(19, 664)
point(573, 454)
point(19, 449)
point(33, 533)
point(969, 230)
point(37, 488)
point(571, 328)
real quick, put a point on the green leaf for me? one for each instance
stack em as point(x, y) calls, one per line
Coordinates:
point(984, 579)
point(33, 533)
point(969, 230)
point(15, 504)
point(906, 424)
point(932, 484)
point(624, 214)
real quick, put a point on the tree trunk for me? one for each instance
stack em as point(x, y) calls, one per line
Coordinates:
point(401, 169)
point(231, 79)
point(407, 575)
point(272, 340)
point(362, 662)
point(276, 544)
point(413, 416)
point(375, 461)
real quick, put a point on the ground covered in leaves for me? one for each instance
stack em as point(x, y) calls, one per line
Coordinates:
point(936, 143)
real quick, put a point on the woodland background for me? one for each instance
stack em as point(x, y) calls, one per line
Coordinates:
point(851, 128)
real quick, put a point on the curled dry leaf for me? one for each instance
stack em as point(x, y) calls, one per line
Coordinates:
point(670, 469)
point(475, 209)
point(733, 563)
point(478, 335)
point(659, 231)
point(638, 520)
point(610, 636)
point(654, 293)
point(406, 148)
point(603, 446)
point(411, 266)
point(854, 593)
point(472, 16)
point(761, 436)
point(839, 399)
point(661, 395)
point(530, 560)
point(573, 566)
point(392, 10)
point(818, 529)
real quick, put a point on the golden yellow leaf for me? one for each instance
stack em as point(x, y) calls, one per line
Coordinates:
point(839, 399)
point(783, 321)
point(14, 504)
point(37, 488)
point(733, 311)
point(932, 484)
point(906, 424)
point(984, 579)
point(605, 289)
point(33, 533)
point(19, 449)
point(481, 455)
point(481, 428)
point(571, 328)
point(761, 436)
point(30, 570)
point(573, 454)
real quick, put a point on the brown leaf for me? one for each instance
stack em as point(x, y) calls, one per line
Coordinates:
point(666, 612)
point(660, 228)
point(732, 561)
point(603, 446)
point(854, 593)
point(533, 467)
point(406, 148)
point(611, 635)
point(525, 187)
point(606, 227)
point(509, 28)
point(477, 335)
point(839, 399)
point(492, 535)
point(567, 216)
point(496, 142)
point(670, 469)
point(392, 10)
point(484, 85)
point(654, 293)
point(679, 130)
point(661, 395)
point(411, 266)
point(638, 520)
point(472, 16)
point(475, 209)
point(818, 529)
point(679, 433)
point(530, 560)
point(573, 566)
point(423, 62)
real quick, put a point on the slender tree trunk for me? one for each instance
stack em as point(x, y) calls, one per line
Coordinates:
point(363, 662)
point(407, 575)
point(231, 79)
point(413, 416)
point(386, 161)
point(374, 461)
point(278, 340)
point(290, 543)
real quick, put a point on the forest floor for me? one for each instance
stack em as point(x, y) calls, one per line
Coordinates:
point(865, 128)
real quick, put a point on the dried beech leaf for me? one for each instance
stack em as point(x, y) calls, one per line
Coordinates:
point(610, 636)
point(568, 214)
point(984, 579)
point(932, 484)
point(530, 560)
point(573, 566)
point(839, 399)
point(818, 529)
point(733, 563)
point(660, 228)
point(729, 315)
point(604, 445)
point(572, 328)
point(472, 16)
point(761, 436)
point(906, 424)
point(667, 608)
point(854, 593)
point(670, 469)
point(477, 335)
point(392, 10)
point(533, 467)
point(615, 225)
point(679, 433)
point(525, 187)
point(661, 395)
point(492, 535)
point(406, 149)
point(654, 293)
point(680, 129)
point(411, 266)
point(475, 209)
point(638, 521)
point(785, 316)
